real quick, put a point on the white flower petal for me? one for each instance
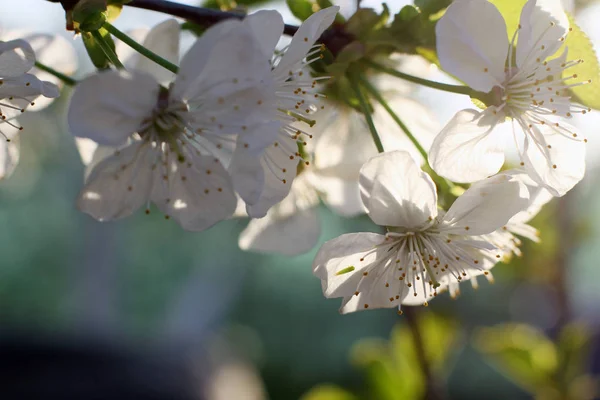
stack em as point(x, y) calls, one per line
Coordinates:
point(343, 142)
point(418, 119)
point(288, 235)
point(222, 64)
point(247, 175)
point(543, 23)
point(339, 193)
point(86, 148)
point(9, 149)
point(267, 26)
point(110, 106)
point(338, 263)
point(396, 192)
point(163, 39)
point(120, 184)
point(308, 33)
point(538, 197)
point(197, 194)
point(486, 206)
point(128, 56)
point(279, 168)
point(553, 160)
point(472, 43)
point(245, 169)
point(100, 154)
point(54, 51)
point(26, 86)
point(467, 150)
point(16, 58)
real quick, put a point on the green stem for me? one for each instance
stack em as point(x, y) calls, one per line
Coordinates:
point(140, 49)
point(445, 183)
point(375, 93)
point(354, 79)
point(108, 51)
point(66, 79)
point(435, 85)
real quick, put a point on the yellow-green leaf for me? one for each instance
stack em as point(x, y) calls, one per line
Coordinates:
point(511, 11)
point(328, 392)
point(580, 47)
point(522, 352)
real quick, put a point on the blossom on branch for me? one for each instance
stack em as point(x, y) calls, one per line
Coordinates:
point(175, 144)
point(297, 98)
point(526, 88)
point(423, 251)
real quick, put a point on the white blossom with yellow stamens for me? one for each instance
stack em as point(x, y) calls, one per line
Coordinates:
point(423, 251)
point(526, 87)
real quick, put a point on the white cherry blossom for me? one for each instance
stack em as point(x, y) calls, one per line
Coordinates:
point(297, 98)
point(174, 144)
point(423, 251)
point(526, 88)
point(51, 50)
point(162, 39)
point(507, 239)
point(18, 90)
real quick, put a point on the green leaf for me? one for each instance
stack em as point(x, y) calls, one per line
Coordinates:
point(328, 392)
point(580, 47)
point(227, 5)
point(521, 352)
point(324, 3)
point(96, 54)
point(411, 29)
point(301, 9)
point(390, 373)
point(365, 21)
point(511, 11)
point(429, 7)
point(574, 345)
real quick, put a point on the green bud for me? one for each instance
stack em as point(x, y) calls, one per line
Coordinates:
point(90, 15)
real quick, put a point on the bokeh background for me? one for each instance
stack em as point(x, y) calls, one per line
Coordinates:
point(143, 305)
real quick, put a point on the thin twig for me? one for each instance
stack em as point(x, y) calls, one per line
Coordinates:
point(201, 16)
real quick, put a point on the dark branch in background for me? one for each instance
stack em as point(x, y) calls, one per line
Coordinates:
point(67, 4)
point(201, 16)
point(433, 390)
point(334, 38)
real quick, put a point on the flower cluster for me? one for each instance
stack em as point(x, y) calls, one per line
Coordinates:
point(223, 126)
point(426, 251)
point(236, 128)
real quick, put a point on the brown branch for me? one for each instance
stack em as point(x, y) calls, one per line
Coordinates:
point(198, 15)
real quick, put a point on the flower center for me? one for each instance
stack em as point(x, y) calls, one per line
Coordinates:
point(538, 84)
point(166, 123)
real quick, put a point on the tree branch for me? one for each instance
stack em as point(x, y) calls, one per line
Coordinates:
point(198, 15)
